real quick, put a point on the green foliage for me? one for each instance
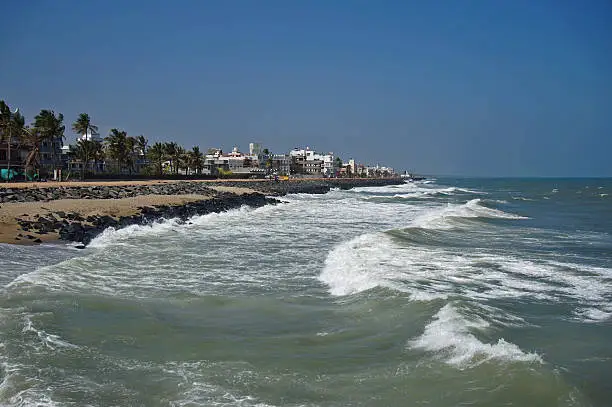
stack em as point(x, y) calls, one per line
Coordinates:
point(85, 151)
point(223, 173)
point(195, 159)
point(157, 155)
point(83, 126)
point(50, 128)
point(121, 148)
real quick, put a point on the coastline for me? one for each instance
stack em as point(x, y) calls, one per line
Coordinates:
point(32, 213)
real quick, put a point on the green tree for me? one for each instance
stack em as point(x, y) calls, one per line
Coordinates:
point(141, 145)
point(196, 159)
point(174, 153)
point(131, 153)
point(12, 128)
point(85, 151)
point(50, 129)
point(32, 139)
point(83, 126)
point(116, 144)
point(157, 155)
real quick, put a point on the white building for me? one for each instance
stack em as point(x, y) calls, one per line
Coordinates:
point(90, 136)
point(310, 162)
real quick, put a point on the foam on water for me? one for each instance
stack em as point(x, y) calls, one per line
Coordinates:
point(449, 335)
point(442, 217)
point(425, 273)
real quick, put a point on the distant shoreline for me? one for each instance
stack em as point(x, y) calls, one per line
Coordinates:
point(32, 213)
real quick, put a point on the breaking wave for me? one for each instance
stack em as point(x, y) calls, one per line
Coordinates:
point(450, 336)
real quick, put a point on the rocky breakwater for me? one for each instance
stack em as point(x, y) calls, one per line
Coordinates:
point(101, 191)
point(76, 228)
point(308, 186)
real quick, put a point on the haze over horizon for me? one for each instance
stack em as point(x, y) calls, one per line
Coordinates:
point(475, 88)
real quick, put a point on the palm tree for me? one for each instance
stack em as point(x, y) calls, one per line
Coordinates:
point(117, 147)
point(182, 160)
point(50, 129)
point(33, 138)
point(83, 126)
point(141, 144)
point(130, 149)
point(174, 153)
point(141, 150)
point(12, 127)
point(196, 159)
point(157, 154)
point(85, 151)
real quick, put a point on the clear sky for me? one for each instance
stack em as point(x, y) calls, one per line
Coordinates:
point(456, 87)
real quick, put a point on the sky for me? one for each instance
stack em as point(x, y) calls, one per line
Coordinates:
point(466, 88)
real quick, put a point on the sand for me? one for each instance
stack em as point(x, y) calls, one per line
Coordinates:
point(10, 230)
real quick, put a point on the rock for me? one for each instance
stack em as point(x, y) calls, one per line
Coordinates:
point(37, 240)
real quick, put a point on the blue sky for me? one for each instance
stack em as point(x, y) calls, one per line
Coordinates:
point(479, 87)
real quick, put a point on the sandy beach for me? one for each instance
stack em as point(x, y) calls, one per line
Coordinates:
point(11, 232)
point(53, 200)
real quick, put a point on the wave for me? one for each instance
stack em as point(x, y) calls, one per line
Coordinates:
point(46, 339)
point(426, 272)
point(411, 191)
point(112, 236)
point(450, 336)
point(442, 218)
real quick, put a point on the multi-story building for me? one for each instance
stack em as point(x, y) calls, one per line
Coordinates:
point(307, 161)
point(12, 158)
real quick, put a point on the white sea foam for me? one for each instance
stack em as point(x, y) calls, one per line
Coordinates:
point(164, 227)
point(48, 340)
point(450, 336)
point(442, 217)
point(426, 273)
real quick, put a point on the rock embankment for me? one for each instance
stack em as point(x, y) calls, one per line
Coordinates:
point(269, 187)
point(76, 228)
point(308, 186)
point(80, 212)
point(101, 192)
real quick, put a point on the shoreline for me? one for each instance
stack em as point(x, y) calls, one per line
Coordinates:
point(79, 211)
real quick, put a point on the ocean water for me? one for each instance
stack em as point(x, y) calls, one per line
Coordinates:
point(448, 292)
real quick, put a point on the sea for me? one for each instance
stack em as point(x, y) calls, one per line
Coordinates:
point(444, 292)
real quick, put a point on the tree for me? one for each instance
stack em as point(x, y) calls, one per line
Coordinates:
point(182, 159)
point(85, 151)
point(117, 147)
point(196, 159)
point(32, 139)
point(174, 153)
point(83, 126)
point(157, 155)
point(12, 127)
point(130, 156)
point(50, 129)
point(141, 145)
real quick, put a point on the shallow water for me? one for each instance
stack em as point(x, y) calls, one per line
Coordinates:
point(449, 292)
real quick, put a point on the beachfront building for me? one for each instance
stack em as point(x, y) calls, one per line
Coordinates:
point(308, 162)
point(91, 137)
point(51, 156)
point(235, 162)
point(12, 157)
point(279, 164)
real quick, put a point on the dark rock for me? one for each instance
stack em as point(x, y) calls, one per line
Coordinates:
point(37, 240)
